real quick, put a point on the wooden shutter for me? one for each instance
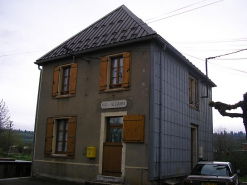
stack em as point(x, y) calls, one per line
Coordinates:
point(103, 74)
point(126, 70)
point(73, 75)
point(196, 94)
point(71, 137)
point(133, 129)
point(49, 136)
point(190, 90)
point(55, 81)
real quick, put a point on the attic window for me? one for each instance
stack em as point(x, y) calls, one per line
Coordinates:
point(133, 35)
point(95, 38)
point(94, 44)
point(114, 39)
point(105, 35)
point(120, 21)
point(103, 26)
point(114, 33)
point(80, 41)
point(72, 44)
point(123, 38)
point(123, 31)
point(103, 42)
point(134, 28)
point(95, 28)
point(87, 40)
point(111, 23)
point(86, 46)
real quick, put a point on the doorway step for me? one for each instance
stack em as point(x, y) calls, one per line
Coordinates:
point(101, 179)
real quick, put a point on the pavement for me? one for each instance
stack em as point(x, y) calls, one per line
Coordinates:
point(35, 181)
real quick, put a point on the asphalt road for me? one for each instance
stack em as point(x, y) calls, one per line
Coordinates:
point(35, 181)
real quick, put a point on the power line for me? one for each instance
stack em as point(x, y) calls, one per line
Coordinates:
point(21, 53)
point(184, 12)
point(217, 64)
point(174, 10)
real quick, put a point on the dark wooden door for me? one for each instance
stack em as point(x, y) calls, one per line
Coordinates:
point(112, 151)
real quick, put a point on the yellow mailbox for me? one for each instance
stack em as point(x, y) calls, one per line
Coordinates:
point(91, 152)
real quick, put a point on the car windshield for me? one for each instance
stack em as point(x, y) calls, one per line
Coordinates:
point(211, 170)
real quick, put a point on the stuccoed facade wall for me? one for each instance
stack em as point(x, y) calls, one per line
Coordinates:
point(86, 107)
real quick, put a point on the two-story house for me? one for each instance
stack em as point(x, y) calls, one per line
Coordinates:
point(118, 103)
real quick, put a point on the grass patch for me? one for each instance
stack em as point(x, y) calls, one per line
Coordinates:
point(23, 157)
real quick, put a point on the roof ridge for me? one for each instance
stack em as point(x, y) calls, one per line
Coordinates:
point(117, 26)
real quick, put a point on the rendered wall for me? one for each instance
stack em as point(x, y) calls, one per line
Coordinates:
point(86, 107)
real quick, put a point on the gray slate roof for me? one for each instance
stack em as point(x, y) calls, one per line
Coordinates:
point(120, 25)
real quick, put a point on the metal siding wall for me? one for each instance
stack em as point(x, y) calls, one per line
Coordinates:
point(171, 109)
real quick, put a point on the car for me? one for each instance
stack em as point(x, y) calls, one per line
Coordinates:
point(212, 173)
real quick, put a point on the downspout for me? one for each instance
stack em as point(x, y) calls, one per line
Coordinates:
point(36, 115)
point(160, 113)
point(160, 119)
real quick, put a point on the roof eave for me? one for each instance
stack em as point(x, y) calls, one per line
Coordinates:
point(147, 38)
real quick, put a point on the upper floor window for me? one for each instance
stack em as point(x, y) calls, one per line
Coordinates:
point(115, 72)
point(193, 92)
point(64, 80)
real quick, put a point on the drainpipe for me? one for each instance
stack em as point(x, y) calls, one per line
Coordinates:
point(160, 119)
point(160, 114)
point(36, 115)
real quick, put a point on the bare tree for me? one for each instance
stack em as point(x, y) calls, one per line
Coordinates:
point(4, 115)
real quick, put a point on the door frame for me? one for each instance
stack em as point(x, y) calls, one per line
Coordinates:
point(103, 130)
point(194, 145)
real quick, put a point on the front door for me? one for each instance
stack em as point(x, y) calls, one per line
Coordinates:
point(112, 150)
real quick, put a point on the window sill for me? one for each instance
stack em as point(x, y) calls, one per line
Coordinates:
point(64, 96)
point(59, 156)
point(115, 90)
point(194, 107)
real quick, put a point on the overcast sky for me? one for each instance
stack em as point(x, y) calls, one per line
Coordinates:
point(197, 28)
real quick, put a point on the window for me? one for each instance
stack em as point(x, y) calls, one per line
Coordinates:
point(115, 72)
point(193, 92)
point(60, 137)
point(114, 129)
point(62, 133)
point(64, 80)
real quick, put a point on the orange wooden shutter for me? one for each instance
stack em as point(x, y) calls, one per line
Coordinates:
point(103, 73)
point(133, 129)
point(126, 70)
point(73, 75)
point(49, 136)
point(71, 137)
point(55, 81)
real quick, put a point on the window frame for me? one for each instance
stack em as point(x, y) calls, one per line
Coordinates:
point(51, 138)
point(193, 92)
point(64, 139)
point(58, 81)
point(106, 73)
point(68, 76)
point(117, 84)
